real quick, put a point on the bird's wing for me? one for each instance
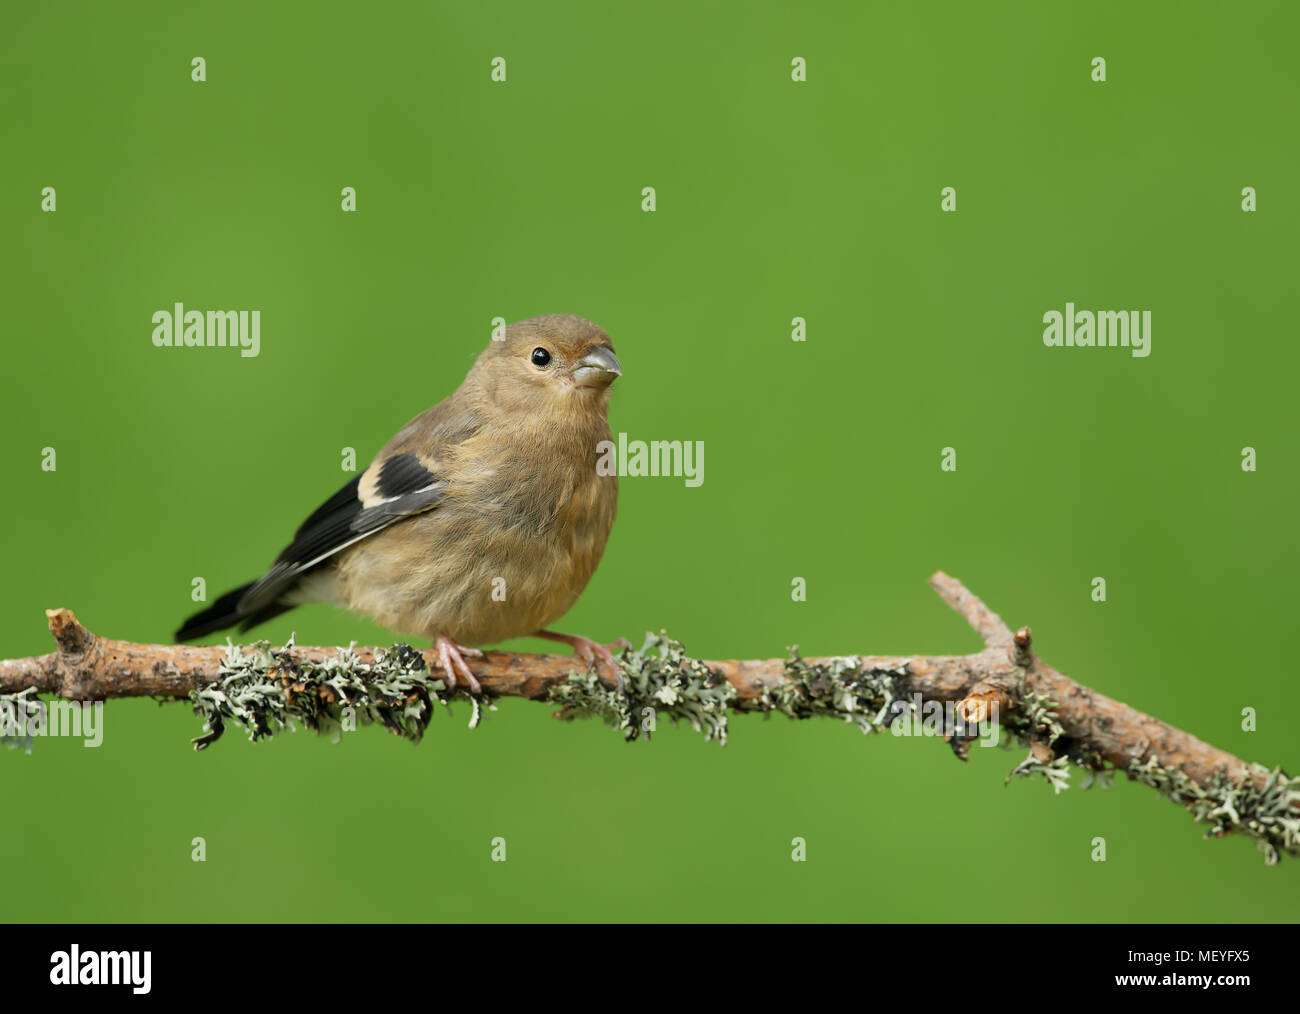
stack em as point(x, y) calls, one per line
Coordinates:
point(393, 487)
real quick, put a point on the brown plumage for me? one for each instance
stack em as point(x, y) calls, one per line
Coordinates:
point(493, 490)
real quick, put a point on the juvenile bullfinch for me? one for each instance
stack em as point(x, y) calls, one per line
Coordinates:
point(495, 488)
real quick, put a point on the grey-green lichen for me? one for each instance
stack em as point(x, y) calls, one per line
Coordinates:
point(1035, 722)
point(1056, 771)
point(271, 689)
point(658, 681)
point(662, 681)
point(1269, 814)
point(15, 709)
point(1266, 813)
point(870, 697)
point(1035, 718)
point(866, 696)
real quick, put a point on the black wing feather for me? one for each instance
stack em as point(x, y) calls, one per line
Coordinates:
point(408, 488)
point(403, 473)
point(405, 486)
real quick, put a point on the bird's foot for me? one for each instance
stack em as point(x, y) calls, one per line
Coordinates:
point(451, 658)
point(591, 651)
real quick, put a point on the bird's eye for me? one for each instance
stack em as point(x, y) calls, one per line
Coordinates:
point(541, 357)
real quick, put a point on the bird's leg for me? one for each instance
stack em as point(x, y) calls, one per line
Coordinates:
point(450, 658)
point(589, 651)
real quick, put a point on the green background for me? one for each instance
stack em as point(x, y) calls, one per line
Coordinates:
point(775, 199)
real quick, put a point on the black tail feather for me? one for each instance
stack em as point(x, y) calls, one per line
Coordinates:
point(224, 612)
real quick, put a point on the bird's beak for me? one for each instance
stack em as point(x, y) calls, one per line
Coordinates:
point(597, 368)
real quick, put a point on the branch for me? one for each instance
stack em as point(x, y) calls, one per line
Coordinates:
point(1063, 723)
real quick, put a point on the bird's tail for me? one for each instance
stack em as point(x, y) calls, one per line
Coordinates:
point(225, 613)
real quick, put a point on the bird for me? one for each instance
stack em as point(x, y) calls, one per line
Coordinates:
point(482, 519)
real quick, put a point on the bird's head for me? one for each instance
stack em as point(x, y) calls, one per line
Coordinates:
point(559, 363)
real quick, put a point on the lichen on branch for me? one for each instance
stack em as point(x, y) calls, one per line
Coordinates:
point(269, 689)
point(658, 681)
point(1064, 724)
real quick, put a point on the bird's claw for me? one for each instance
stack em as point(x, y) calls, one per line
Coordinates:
point(451, 659)
point(592, 652)
point(596, 654)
